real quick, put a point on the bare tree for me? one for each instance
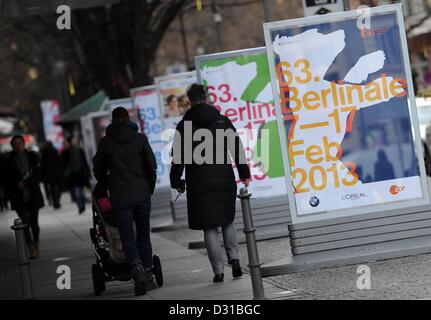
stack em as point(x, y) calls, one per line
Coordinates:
point(120, 42)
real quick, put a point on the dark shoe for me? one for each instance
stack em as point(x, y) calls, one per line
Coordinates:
point(36, 248)
point(140, 289)
point(33, 252)
point(150, 284)
point(139, 277)
point(218, 277)
point(236, 268)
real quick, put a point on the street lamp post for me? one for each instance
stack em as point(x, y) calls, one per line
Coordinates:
point(346, 5)
point(217, 23)
point(266, 10)
point(184, 40)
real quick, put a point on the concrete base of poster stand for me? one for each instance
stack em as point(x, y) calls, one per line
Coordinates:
point(167, 227)
point(160, 202)
point(348, 256)
point(271, 218)
point(161, 205)
point(198, 244)
point(179, 217)
point(355, 239)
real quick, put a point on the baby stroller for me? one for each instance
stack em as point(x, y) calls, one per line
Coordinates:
point(110, 259)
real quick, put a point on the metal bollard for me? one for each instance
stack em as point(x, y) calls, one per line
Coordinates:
point(253, 256)
point(23, 259)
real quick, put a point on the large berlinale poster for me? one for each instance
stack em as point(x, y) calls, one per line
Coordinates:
point(146, 104)
point(346, 113)
point(239, 86)
point(87, 137)
point(51, 114)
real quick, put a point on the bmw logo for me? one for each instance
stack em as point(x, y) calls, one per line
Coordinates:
point(314, 201)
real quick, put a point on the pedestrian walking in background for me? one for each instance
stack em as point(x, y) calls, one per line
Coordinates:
point(427, 158)
point(52, 173)
point(211, 185)
point(22, 178)
point(130, 161)
point(76, 171)
point(3, 198)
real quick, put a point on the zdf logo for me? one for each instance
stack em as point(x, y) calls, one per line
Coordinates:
point(394, 190)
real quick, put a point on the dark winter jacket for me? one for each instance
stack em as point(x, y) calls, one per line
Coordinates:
point(211, 187)
point(78, 178)
point(31, 181)
point(51, 165)
point(128, 158)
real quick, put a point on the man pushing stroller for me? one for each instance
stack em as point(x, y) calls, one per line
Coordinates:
point(128, 158)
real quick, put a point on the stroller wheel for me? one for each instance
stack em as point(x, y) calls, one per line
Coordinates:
point(157, 270)
point(98, 279)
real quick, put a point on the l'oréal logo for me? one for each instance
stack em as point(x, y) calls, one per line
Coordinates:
point(354, 196)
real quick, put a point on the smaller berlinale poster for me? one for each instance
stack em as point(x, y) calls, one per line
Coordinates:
point(239, 86)
point(51, 114)
point(146, 104)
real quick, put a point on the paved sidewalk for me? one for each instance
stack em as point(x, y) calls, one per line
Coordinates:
point(9, 276)
point(187, 274)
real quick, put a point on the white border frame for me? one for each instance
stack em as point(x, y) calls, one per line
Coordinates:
point(335, 17)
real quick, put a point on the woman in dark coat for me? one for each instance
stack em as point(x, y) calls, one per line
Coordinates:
point(76, 172)
point(22, 178)
point(211, 185)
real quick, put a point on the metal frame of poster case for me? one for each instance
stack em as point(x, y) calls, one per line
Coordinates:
point(222, 55)
point(335, 17)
